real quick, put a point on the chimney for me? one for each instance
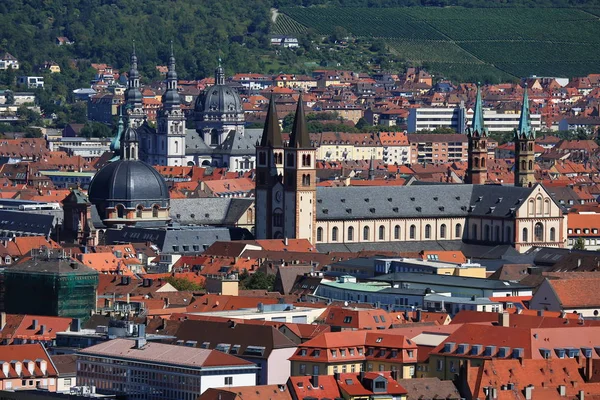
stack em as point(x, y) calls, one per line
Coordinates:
point(315, 381)
point(34, 325)
point(140, 342)
point(286, 242)
point(2, 320)
point(419, 315)
point(581, 395)
point(529, 392)
point(75, 325)
point(42, 329)
point(562, 390)
point(504, 319)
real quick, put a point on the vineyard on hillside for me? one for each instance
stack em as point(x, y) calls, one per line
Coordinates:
point(462, 42)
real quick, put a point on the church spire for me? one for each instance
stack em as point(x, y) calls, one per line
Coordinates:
point(219, 74)
point(170, 98)
point(477, 127)
point(524, 129)
point(372, 167)
point(115, 143)
point(133, 94)
point(271, 136)
point(300, 137)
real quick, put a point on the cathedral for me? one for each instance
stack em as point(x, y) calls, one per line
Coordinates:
point(219, 138)
point(290, 205)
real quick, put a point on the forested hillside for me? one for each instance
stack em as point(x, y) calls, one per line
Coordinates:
point(103, 31)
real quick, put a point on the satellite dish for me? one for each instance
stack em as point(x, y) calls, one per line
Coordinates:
point(346, 304)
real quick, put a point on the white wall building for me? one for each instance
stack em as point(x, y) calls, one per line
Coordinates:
point(160, 371)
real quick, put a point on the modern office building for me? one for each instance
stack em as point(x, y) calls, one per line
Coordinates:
point(142, 370)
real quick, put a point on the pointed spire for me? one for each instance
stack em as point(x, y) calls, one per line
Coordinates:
point(372, 167)
point(171, 96)
point(300, 137)
point(524, 129)
point(477, 126)
point(271, 136)
point(133, 94)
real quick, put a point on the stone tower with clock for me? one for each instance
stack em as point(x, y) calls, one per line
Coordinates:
point(286, 181)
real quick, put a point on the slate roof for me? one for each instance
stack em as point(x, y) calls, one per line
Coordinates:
point(166, 238)
point(418, 201)
point(53, 265)
point(209, 210)
point(429, 388)
point(398, 247)
point(26, 223)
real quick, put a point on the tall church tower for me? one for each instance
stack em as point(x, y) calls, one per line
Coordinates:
point(524, 147)
point(269, 179)
point(133, 95)
point(477, 156)
point(171, 123)
point(300, 174)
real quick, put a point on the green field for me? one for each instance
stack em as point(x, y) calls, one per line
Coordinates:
point(463, 42)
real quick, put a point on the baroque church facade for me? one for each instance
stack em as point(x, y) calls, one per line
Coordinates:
point(288, 204)
point(219, 138)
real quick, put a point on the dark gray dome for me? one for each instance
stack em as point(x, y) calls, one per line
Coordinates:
point(130, 183)
point(133, 95)
point(131, 135)
point(170, 97)
point(219, 99)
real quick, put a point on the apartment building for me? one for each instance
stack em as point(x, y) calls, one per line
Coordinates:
point(457, 118)
point(26, 366)
point(355, 351)
point(438, 148)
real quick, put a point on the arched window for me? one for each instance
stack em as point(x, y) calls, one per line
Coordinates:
point(366, 233)
point(497, 235)
point(547, 207)
point(476, 162)
point(278, 158)
point(413, 232)
point(483, 162)
point(334, 234)
point(538, 203)
point(155, 211)
point(176, 146)
point(508, 235)
point(531, 208)
point(381, 232)
point(474, 232)
point(458, 230)
point(139, 211)
point(486, 233)
point(319, 234)
point(443, 231)
point(523, 165)
point(350, 233)
point(538, 232)
point(397, 232)
point(552, 234)
point(525, 235)
point(306, 180)
point(427, 231)
point(214, 137)
point(530, 146)
point(120, 211)
point(306, 160)
point(530, 165)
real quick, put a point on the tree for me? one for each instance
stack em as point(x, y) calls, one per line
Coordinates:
point(257, 281)
point(183, 284)
point(579, 244)
point(95, 129)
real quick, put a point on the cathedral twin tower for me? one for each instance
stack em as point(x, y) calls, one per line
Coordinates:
point(524, 138)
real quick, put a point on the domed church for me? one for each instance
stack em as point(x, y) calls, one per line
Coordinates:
point(219, 139)
point(129, 191)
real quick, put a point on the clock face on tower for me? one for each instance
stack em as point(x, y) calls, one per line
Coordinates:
point(278, 197)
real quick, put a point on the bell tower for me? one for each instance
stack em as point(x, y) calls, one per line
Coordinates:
point(300, 181)
point(524, 147)
point(477, 155)
point(269, 178)
point(171, 122)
